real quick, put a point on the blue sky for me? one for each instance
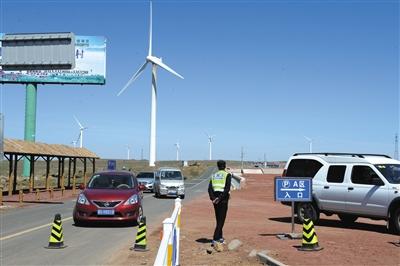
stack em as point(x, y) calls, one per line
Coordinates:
point(258, 74)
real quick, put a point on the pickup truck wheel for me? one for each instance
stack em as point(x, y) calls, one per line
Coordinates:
point(394, 222)
point(304, 207)
point(347, 218)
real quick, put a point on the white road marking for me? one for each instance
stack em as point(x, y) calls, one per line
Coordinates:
point(200, 183)
point(31, 230)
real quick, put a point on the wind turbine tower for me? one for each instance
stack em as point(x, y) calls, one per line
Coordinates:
point(396, 146)
point(155, 62)
point(310, 141)
point(177, 150)
point(81, 129)
point(210, 141)
point(128, 149)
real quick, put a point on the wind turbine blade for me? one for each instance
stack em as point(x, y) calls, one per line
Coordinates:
point(77, 121)
point(133, 78)
point(158, 62)
point(151, 28)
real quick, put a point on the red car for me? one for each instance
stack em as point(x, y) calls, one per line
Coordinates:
point(110, 196)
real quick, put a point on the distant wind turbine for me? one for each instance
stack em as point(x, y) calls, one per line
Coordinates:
point(177, 150)
point(129, 151)
point(81, 129)
point(310, 141)
point(74, 143)
point(155, 61)
point(210, 140)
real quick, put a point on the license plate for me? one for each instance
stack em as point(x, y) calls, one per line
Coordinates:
point(105, 212)
point(172, 192)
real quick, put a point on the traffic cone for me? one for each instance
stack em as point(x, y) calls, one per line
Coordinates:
point(141, 241)
point(56, 240)
point(310, 240)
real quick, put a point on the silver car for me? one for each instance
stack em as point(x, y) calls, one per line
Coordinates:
point(146, 179)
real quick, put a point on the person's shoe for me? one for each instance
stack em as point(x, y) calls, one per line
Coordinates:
point(222, 240)
point(218, 246)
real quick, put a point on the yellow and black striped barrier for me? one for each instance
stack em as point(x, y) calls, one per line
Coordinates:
point(141, 240)
point(56, 237)
point(310, 240)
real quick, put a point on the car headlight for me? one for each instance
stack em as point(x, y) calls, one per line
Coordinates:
point(182, 187)
point(163, 186)
point(132, 200)
point(82, 199)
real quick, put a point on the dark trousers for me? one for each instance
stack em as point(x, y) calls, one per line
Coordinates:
point(220, 214)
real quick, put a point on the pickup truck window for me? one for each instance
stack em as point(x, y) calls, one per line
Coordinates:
point(336, 174)
point(303, 168)
point(390, 171)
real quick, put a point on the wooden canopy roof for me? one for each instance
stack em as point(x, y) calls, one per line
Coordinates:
point(14, 146)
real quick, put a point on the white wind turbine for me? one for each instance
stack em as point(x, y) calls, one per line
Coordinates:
point(210, 140)
point(81, 129)
point(309, 143)
point(128, 149)
point(155, 61)
point(74, 143)
point(177, 150)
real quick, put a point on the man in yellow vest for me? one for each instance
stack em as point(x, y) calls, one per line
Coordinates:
point(218, 190)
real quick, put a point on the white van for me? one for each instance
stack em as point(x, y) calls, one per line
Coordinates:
point(169, 182)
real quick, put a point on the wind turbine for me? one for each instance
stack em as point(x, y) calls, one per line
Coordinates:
point(155, 62)
point(129, 151)
point(309, 142)
point(210, 140)
point(81, 129)
point(177, 150)
point(74, 143)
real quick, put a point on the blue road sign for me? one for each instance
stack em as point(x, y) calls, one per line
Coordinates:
point(112, 165)
point(293, 189)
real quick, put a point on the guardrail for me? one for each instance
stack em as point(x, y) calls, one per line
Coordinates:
point(168, 252)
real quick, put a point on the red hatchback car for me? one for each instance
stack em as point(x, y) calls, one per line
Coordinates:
point(110, 196)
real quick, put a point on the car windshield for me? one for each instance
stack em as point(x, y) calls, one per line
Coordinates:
point(171, 175)
point(390, 171)
point(110, 181)
point(145, 175)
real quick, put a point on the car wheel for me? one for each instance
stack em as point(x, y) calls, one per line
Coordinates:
point(182, 196)
point(347, 218)
point(394, 222)
point(307, 207)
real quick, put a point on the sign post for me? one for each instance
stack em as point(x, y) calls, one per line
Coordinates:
point(293, 189)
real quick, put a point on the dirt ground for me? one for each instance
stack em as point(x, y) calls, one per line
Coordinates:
point(255, 219)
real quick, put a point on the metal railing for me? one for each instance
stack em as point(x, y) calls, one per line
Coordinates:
point(168, 252)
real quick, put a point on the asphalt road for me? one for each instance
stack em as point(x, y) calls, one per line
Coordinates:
point(25, 232)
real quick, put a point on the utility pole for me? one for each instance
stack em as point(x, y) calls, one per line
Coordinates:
point(242, 156)
point(141, 154)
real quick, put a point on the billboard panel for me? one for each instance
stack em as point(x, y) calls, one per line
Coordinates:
point(90, 66)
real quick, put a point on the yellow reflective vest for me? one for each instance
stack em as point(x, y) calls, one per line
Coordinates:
point(218, 180)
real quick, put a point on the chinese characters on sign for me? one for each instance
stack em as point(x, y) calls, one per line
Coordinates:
point(293, 189)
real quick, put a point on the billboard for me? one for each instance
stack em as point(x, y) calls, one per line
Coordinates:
point(90, 66)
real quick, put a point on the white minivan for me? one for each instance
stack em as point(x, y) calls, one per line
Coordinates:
point(169, 182)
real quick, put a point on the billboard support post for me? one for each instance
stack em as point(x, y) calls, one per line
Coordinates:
point(30, 121)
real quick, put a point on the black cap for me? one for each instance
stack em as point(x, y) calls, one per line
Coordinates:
point(221, 164)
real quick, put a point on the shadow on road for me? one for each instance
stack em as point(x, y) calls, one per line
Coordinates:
point(338, 224)
point(110, 224)
point(204, 240)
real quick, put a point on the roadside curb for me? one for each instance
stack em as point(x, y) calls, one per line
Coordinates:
point(268, 260)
